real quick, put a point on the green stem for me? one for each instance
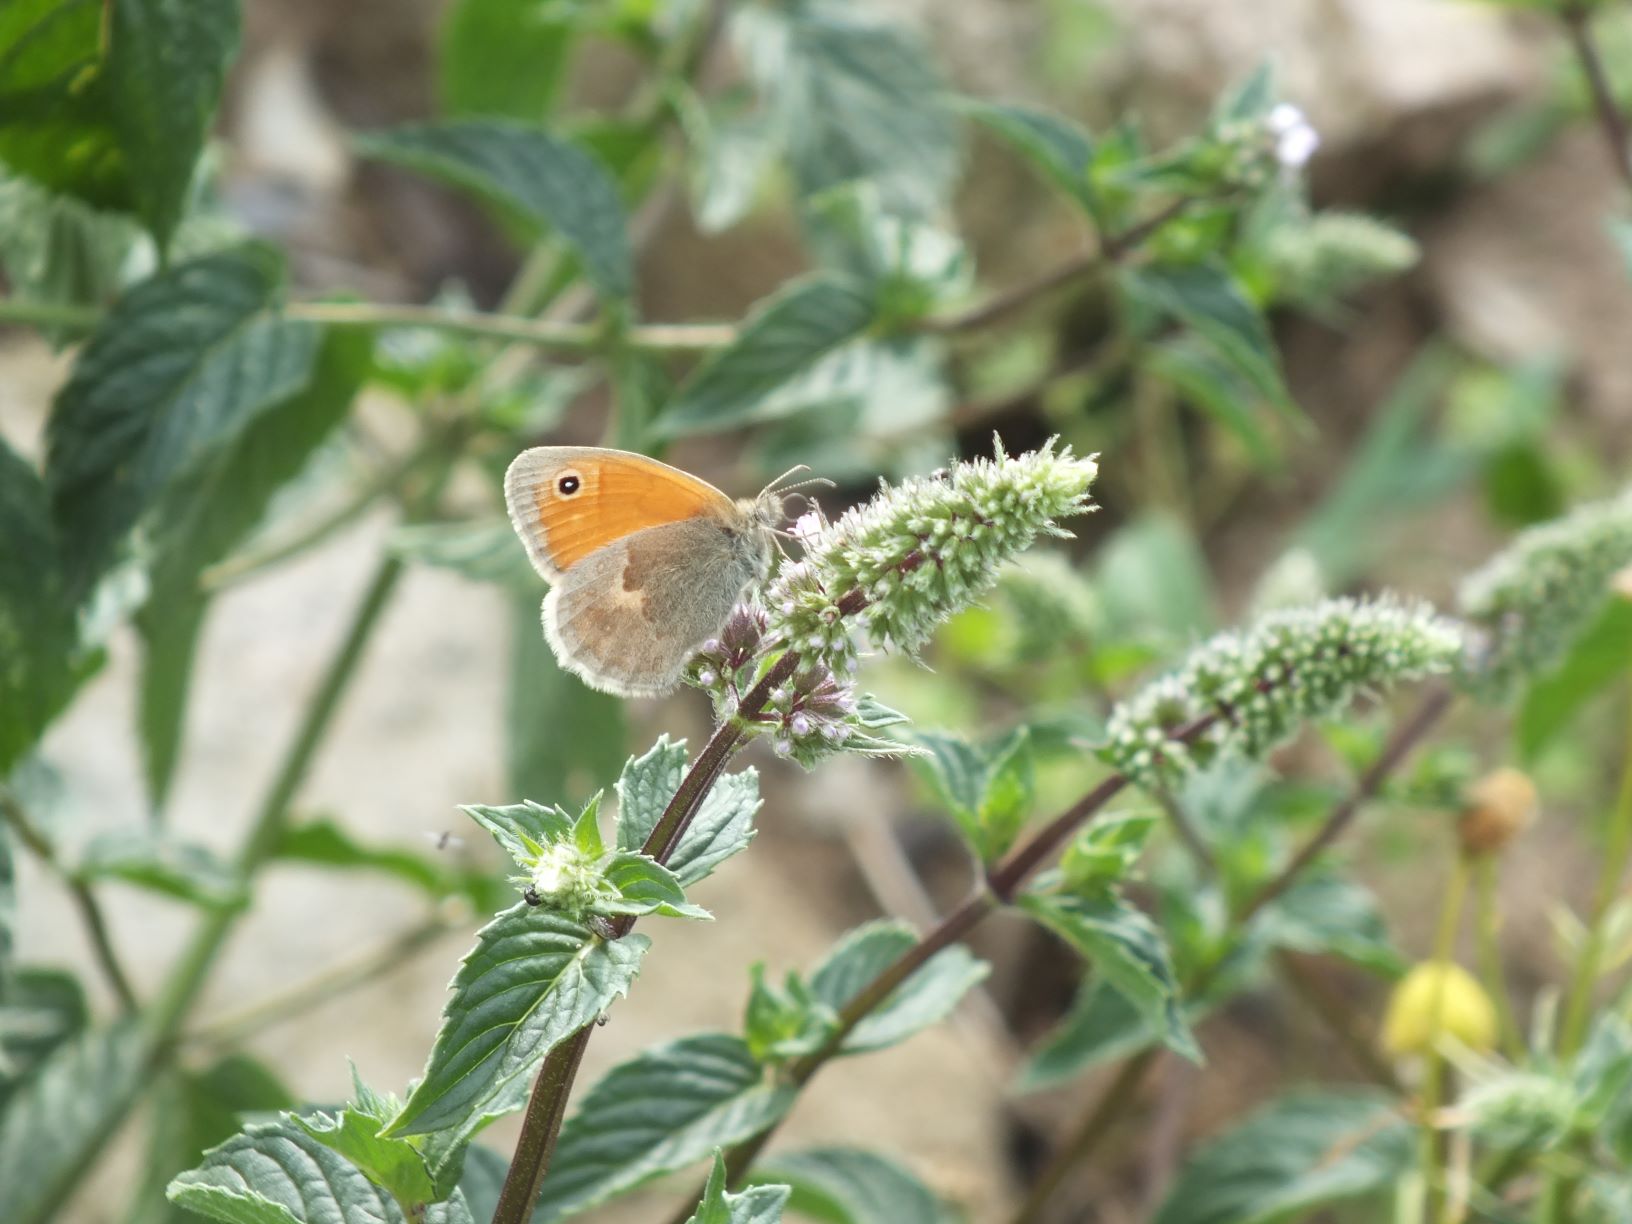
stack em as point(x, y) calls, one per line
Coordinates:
point(90, 910)
point(1578, 28)
point(1578, 1010)
point(1487, 928)
point(1433, 1083)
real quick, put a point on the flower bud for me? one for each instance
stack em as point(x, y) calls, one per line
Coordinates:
point(1497, 808)
point(1438, 998)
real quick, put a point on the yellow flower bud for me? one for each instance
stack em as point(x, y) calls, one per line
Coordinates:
point(1498, 806)
point(1442, 990)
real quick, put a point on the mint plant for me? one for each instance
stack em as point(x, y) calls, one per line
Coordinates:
point(1161, 791)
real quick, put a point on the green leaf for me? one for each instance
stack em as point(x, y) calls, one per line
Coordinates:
point(39, 1010)
point(1102, 1026)
point(482, 550)
point(1598, 657)
point(482, 1179)
point(532, 980)
point(646, 887)
point(522, 829)
point(154, 861)
point(733, 154)
point(8, 916)
point(166, 62)
point(1196, 368)
point(395, 1165)
point(326, 843)
point(54, 98)
point(1326, 914)
point(541, 180)
point(664, 1109)
point(988, 789)
point(840, 1185)
point(927, 997)
point(210, 511)
point(561, 738)
point(759, 1204)
point(723, 825)
point(1106, 851)
point(1206, 298)
point(58, 250)
point(68, 1106)
point(276, 1173)
point(192, 1112)
point(1305, 1151)
point(782, 337)
point(39, 639)
point(1051, 143)
point(504, 57)
point(852, 97)
point(177, 370)
point(1127, 948)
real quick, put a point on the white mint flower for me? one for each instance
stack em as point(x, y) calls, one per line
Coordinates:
point(1295, 137)
point(1535, 597)
point(1263, 683)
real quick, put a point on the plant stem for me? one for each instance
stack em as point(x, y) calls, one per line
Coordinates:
point(547, 1104)
point(1578, 1011)
point(90, 910)
point(1578, 28)
point(1487, 929)
point(1433, 1082)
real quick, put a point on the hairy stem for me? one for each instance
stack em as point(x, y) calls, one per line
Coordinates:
point(90, 910)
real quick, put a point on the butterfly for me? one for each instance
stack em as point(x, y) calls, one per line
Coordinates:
point(644, 561)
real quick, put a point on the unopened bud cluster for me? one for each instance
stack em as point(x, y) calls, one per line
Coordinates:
point(565, 879)
point(918, 552)
point(1261, 685)
point(1534, 598)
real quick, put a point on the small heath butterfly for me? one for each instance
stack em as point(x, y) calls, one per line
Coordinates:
point(644, 561)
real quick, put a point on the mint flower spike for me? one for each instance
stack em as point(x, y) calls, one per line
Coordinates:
point(1531, 600)
point(902, 563)
point(1265, 682)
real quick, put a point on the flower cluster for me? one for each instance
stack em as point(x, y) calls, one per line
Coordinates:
point(1262, 684)
point(565, 879)
point(902, 563)
point(1533, 599)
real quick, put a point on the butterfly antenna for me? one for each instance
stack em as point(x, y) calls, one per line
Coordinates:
point(776, 486)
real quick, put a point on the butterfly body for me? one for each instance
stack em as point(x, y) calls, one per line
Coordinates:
point(645, 562)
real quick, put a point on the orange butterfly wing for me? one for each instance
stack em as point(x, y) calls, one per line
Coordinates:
point(568, 501)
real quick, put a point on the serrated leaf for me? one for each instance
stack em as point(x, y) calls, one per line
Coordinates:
point(533, 979)
point(67, 1107)
point(1206, 298)
point(395, 1165)
point(839, 1185)
point(276, 1173)
point(522, 829)
point(503, 57)
point(39, 1010)
point(178, 369)
point(1127, 948)
point(927, 997)
point(542, 180)
point(664, 1109)
point(783, 336)
point(210, 511)
point(645, 886)
point(561, 738)
point(325, 843)
point(1052, 143)
point(759, 1204)
point(1325, 914)
point(166, 62)
point(1305, 1151)
point(152, 860)
point(192, 1112)
point(988, 789)
point(852, 97)
point(39, 640)
point(722, 826)
point(1596, 659)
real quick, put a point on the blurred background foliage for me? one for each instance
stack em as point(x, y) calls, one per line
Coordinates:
point(864, 238)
